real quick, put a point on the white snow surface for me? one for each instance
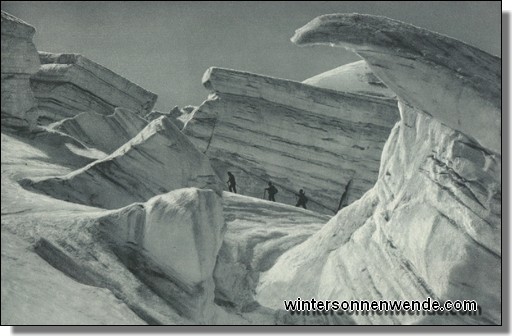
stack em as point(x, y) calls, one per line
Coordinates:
point(157, 160)
point(456, 83)
point(356, 77)
point(147, 263)
point(431, 225)
point(104, 132)
point(177, 234)
point(174, 249)
point(257, 233)
point(31, 288)
point(35, 293)
point(68, 84)
point(298, 136)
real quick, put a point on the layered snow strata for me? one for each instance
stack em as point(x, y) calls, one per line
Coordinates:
point(157, 160)
point(19, 62)
point(295, 135)
point(171, 242)
point(67, 84)
point(104, 132)
point(431, 226)
point(454, 82)
point(257, 233)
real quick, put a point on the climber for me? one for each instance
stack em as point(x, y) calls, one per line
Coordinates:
point(231, 183)
point(302, 199)
point(271, 192)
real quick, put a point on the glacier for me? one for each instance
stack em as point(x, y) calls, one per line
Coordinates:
point(68, 84)
point(298, 136)
point(431, 225)
point(115, 213)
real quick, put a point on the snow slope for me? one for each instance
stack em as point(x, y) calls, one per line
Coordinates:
point(169, 253)
point(159, 159)
point(257, 233)
point(35, 293)
point(297, 136)
point(431, 225)
point(32, 288)
point(104, 132)
point(356, 77)
point(147, 263)
point(171, 242)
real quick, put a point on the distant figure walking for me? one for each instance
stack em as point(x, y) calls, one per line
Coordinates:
point(271, 192)
point(302, 199)
point(231, 183)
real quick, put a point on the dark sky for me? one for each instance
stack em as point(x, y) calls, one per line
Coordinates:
point(166, 46)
